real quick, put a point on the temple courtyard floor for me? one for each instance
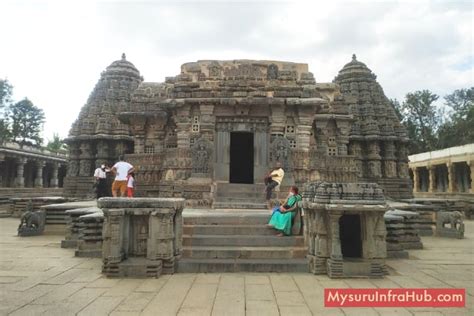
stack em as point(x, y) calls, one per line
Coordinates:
point(38, 277)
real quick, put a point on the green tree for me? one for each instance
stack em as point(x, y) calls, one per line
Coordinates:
point(27, 121)
point(56, 144)
point(459, 129)
point(6, 90)
point(422, 120)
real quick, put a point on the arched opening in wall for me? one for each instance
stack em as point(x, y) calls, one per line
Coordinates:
point(350, 236)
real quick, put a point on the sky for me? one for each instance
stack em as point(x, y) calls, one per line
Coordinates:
point(53, 52)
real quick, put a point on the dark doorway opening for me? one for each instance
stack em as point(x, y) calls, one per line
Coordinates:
point(241, 157)
point(350, 236)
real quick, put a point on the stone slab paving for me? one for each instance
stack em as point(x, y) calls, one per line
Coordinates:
point(37, 277)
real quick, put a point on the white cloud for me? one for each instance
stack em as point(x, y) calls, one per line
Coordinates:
point(53, 52)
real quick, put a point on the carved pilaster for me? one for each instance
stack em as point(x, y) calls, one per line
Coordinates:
point(278, 119)
point(207, 124)
point(85, 160)
point(183, 126)
point(336, 252)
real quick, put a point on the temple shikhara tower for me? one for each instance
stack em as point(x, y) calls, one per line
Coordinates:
point(220, 123)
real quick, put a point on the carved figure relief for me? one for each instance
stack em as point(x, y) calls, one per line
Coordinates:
point(272, 72)
point(280, 152)
point(201, 156)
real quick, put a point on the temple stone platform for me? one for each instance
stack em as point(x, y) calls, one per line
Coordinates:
point(37, 276)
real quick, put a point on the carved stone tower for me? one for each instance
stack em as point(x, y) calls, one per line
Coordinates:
point(377, 138)
point(97, 135)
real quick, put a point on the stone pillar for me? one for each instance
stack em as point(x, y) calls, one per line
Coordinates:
point(336, 252)
point(3, 171)
point(39, 174)
point(432, 178)
point(416, 180)
point(471, 168)
point(20, 178)
point(54, 178)
point(451, 177)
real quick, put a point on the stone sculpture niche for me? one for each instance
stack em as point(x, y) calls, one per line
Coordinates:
point(142, 237)
point(345, 229)
point(201, 158)
point(32, 222)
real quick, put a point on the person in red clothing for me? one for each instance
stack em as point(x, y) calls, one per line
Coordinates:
point(130, 185)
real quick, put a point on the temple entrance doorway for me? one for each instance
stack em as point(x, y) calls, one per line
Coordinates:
point(241, 157)
point(350, 236)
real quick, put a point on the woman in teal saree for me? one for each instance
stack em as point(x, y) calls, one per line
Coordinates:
point(282, 216)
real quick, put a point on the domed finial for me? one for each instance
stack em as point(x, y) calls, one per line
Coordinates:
point(354, 57)
point(123, 56)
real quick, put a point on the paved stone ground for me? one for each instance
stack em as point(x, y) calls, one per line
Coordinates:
point(38, 277)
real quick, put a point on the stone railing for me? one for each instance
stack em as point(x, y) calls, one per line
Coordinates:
point(142, 237)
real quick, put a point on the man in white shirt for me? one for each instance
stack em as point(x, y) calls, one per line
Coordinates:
point(121, 170)
point(274, 178)
point(100, 175)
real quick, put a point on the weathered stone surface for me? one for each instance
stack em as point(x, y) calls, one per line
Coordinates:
point(141, 237)
point(345, 229)
point(180, 130)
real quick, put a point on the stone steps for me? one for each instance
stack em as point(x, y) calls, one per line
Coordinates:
point(254, 194)
point(239, 205)
point(187, 265)
point(242, 241)
point(260, 230)
point(236, 252)
point(230, 240)
point(239, 196)
point(227, 217)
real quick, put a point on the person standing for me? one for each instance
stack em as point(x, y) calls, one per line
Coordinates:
point(121, 170)
point(131, 185)
point(273, 179)
point(100, 175)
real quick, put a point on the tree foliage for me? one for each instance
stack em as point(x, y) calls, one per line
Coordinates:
point(459, 129)
point(427, 126)
point(5, 100)
point(422, 120)
point(27, 121)
point(56, 144)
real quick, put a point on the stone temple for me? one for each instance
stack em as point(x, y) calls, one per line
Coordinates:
point(220, 123)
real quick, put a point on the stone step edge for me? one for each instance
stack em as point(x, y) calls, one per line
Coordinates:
point(244, 248)
point(243, 260)
point(242, 236)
